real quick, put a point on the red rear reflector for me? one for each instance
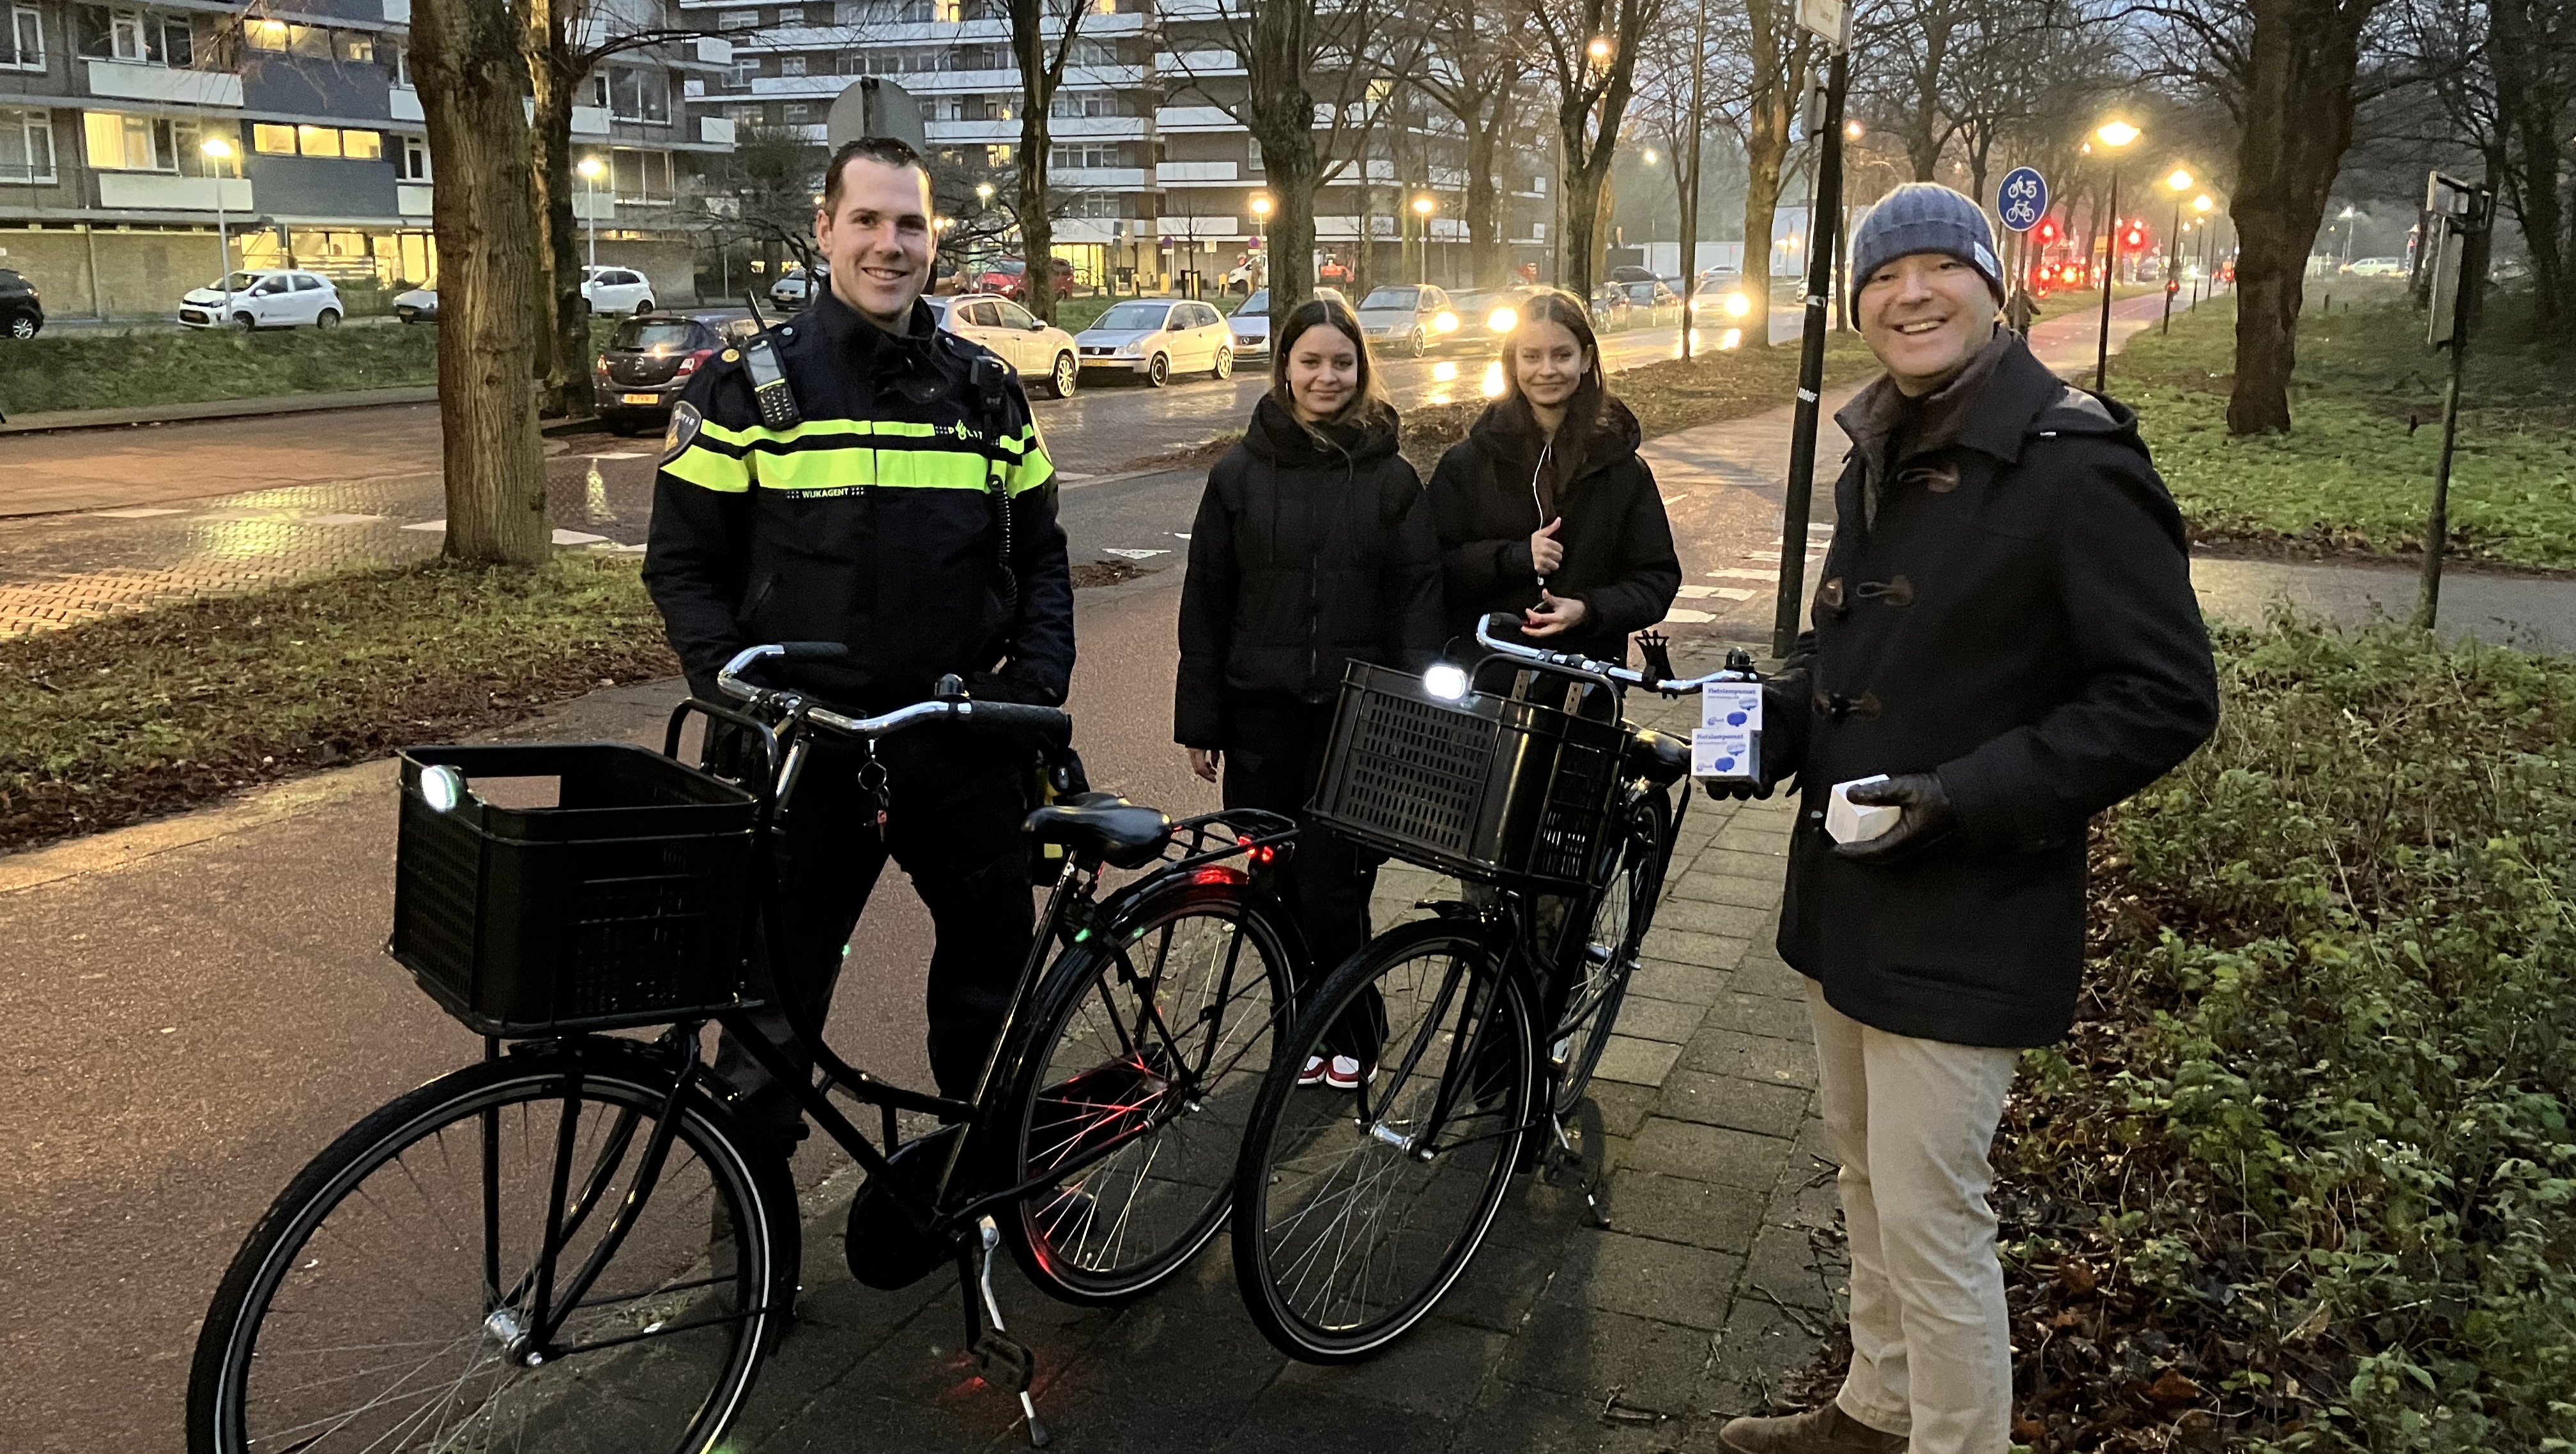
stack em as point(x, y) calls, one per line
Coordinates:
point(1219, 874)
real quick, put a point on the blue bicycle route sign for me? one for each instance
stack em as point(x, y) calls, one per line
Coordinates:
point(2022, 199)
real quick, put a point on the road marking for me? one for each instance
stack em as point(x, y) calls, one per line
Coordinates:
point(575, 537)
point(1180, 535)
point(621, 454)
point(1072, 477)
point(437, 525)
point(139, 512)
point(342, 519)
point(1133, 554)
point(1733, 593)
point(1685, 617)
point(1677, 499)
point(1733, 574)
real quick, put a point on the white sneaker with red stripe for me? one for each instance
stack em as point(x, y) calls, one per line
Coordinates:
point(1312, 1072)
point(1345, 1073)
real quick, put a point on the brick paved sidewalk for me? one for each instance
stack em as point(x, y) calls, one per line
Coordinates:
point(1703, 1292)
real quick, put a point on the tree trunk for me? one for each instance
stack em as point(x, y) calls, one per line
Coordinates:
point(472, 77)
point(2300, 64)
point(1281, 117)
point(2532, 113)
point(1487, 261)
point(1038, 82)
point(554, 80)
point(1776, 56)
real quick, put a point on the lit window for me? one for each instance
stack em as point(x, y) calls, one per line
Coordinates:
point(357, 47)
point(123, 143)
point(318, 141)
point(272, 139)
point(363, 146)
point(267, 34)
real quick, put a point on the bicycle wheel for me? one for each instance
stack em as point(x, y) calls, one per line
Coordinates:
point(1354, 1212)
point(1611, 948)
point(394, 1296)
point(1136, 1073)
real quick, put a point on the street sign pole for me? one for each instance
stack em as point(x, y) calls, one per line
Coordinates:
point(1831, 20)
point(2462, 215)
point(2110, 269)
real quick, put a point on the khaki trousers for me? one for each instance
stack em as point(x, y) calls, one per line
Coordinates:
point(1911, 1121)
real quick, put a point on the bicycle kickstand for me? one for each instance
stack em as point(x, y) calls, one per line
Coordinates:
point(1563, 1155)
point(1001, 1360)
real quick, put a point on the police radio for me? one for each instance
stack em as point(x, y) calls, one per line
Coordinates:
point(989, 378)
point(768, 381)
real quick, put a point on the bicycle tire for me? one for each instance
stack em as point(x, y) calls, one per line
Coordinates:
point(1616, 939)
point(1311, 1154)
point(282, 1309)
point(1142, 1211)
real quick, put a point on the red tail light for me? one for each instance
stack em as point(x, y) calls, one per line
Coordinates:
point(690, 364)
point(1218, 874)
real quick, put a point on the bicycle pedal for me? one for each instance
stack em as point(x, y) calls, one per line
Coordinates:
point(1005, 1362)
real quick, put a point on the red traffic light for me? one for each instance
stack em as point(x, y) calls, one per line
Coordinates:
point(2134, 237)
point(2047, 229)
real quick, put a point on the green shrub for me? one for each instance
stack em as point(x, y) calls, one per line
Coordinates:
point(2309, 1159)
point(106, 371)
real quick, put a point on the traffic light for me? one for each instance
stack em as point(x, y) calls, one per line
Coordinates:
point(2135, 238)
point(2048, 231)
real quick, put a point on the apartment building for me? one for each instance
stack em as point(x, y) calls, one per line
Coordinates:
point(1156, 180)
point(133, 136)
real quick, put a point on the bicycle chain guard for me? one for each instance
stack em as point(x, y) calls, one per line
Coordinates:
point(885, 1247)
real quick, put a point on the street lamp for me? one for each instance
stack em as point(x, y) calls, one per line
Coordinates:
point(983, 191)
point(219, 151)
point(1649, 157)
point(591, 171)
point(2179, 183)
point(1599, 50)
point(2200, 206)
point(1261, 221)
point(1854, 130)
point(2347, 218)
point(2113, 134)
point(1423, 207)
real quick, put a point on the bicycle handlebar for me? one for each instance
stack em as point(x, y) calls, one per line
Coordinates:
point(1571, 661)
point(959, 707)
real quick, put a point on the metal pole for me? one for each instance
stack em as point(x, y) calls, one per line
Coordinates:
point(590, 187)
point(2464, 311)
point(1811, 367)
point(223, 248)
point(2110, 266)
point(2173, 255)
point(1690, 216)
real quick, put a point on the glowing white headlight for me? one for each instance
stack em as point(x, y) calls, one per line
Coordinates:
point(1502, 320)
point(1445, 681)
point(442, 787)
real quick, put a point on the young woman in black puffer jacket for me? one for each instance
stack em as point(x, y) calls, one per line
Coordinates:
point(1313, 548)
point(1545, 510)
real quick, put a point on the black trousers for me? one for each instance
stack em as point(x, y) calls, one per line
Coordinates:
point(954, 825)
point(1272, 763)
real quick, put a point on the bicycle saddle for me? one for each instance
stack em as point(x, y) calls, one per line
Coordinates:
point(1660, 757)
point(1108, 827)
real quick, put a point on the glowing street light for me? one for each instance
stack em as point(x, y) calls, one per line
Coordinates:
point(2180, 182)
point(2113, 134)
point(2116, 134)
point(220, 151)
point(1423, 207)
point(1853, 130)
point(1649, 157)
point(1599, 50)
point(983, 191)
point(591, 171)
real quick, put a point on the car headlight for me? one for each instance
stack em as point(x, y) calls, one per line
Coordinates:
point(1447, 322)
point(1502, 320)
point(1127, 350)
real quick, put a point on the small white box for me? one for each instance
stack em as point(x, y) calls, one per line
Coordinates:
point(1850, 822)
point(1735, 705)
point(1726, 754)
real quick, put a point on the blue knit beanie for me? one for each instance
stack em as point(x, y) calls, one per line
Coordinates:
point(1926, 217)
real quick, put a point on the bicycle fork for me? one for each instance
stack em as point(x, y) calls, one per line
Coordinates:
point(999, 1359)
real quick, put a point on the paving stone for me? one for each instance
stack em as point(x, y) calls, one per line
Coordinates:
point(1762, 972)
point(1772, 843)
point(1709, 1153)
point(1725, 1100)
point(1690, 984)
point(1771, 1015)
point(1525, 1420)
point(1680, 1209)
point(1598, 1355)
point(1700, 916)
point(1784, 1263)
point(1664, 1281)
point(1710, 951)
point(1635, 1061)
point(1711, 886)
point(1761, 1346)
point(1807, 1196)
point(1302, 1420)
point(1736, 862)
point(1765, 1058)
point(1623, 1107)
point(1435, 1369)
point(1671, 1021)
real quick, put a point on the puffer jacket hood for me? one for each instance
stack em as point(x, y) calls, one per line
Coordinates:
point(1277, 439)
point(1509, 435)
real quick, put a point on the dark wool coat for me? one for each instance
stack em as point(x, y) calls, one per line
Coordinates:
point(1308, 554)
point(1619, 558)
point(2018, 619)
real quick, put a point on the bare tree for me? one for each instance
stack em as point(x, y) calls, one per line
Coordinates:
point(1043, 33)
point(1590, 48)
point(1775, 52)
point(2505, 74)
point(1912, 56)
point(1478, 63)
point(472, 76)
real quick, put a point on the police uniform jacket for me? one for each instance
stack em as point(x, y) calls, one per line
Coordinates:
point(2007, 604)
point(875, 522)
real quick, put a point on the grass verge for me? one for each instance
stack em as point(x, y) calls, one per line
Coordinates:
point(118, 720)
point(2355, 474)
point(115, 371)
point(2304, 1177)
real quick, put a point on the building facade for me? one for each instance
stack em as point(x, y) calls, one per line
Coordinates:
point(146, 148)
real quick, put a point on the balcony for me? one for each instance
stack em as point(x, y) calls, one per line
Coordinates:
point(397, 12)
point(1198, 63)
point(592, 205)
point(1203, 229)
point(403, 104)
point(1196, 172)
point(589, 121)
point(412, 199)
point(716, 129)
point(1094, 128)
point(1101, 179)
point(159, 192)
point(1194, 118)
point(715, 50)
point(165, 85)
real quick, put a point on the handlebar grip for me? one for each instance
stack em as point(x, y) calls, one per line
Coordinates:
point(1016, 714)
point(813, 651)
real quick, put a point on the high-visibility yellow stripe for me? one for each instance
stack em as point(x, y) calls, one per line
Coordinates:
point(852, 468)
point(1029, 473)
point(709, 470)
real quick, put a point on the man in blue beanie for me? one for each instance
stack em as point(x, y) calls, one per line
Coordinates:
point(2004, 643)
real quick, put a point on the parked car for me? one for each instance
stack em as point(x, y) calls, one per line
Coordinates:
point(2377, 267)
point(264, 298)
point(795, 287)
point(1653, 303)
point(1155, 338)
point(616, 290)
point(1251, 271)
point(1484, 317)
point(1611, 309)
point(652, 356)
point(420, 305)
point(1037, 348)
point(1007, 277)
point(1410, 316)
point(1631, 273)
point(22, 310)
point(1251, 321)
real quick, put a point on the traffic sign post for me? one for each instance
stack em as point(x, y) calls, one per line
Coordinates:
point(2022, 199)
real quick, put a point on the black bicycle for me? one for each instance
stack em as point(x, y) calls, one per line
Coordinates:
point(1355, 1214)
point(573, 1245)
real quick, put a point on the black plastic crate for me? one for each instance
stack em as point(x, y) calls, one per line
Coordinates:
point(1486, 787)
point(623, 903)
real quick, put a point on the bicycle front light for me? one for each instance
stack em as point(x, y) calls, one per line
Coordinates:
point(1445, 681)
point(442, 787)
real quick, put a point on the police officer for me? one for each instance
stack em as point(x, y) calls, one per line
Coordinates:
point(904, 505)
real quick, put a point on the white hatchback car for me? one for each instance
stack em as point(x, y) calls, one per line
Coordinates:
point(1039, 350)
point(265, 298)
point(1156, 338)
point(616, 290)
point(1251, 321)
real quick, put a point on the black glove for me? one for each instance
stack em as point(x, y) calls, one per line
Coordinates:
point(1927, 819)
point(1741, 790)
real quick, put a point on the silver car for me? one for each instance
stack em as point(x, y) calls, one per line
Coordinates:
point(1414, 317)
point(1155, 338)
point(1251, 321)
